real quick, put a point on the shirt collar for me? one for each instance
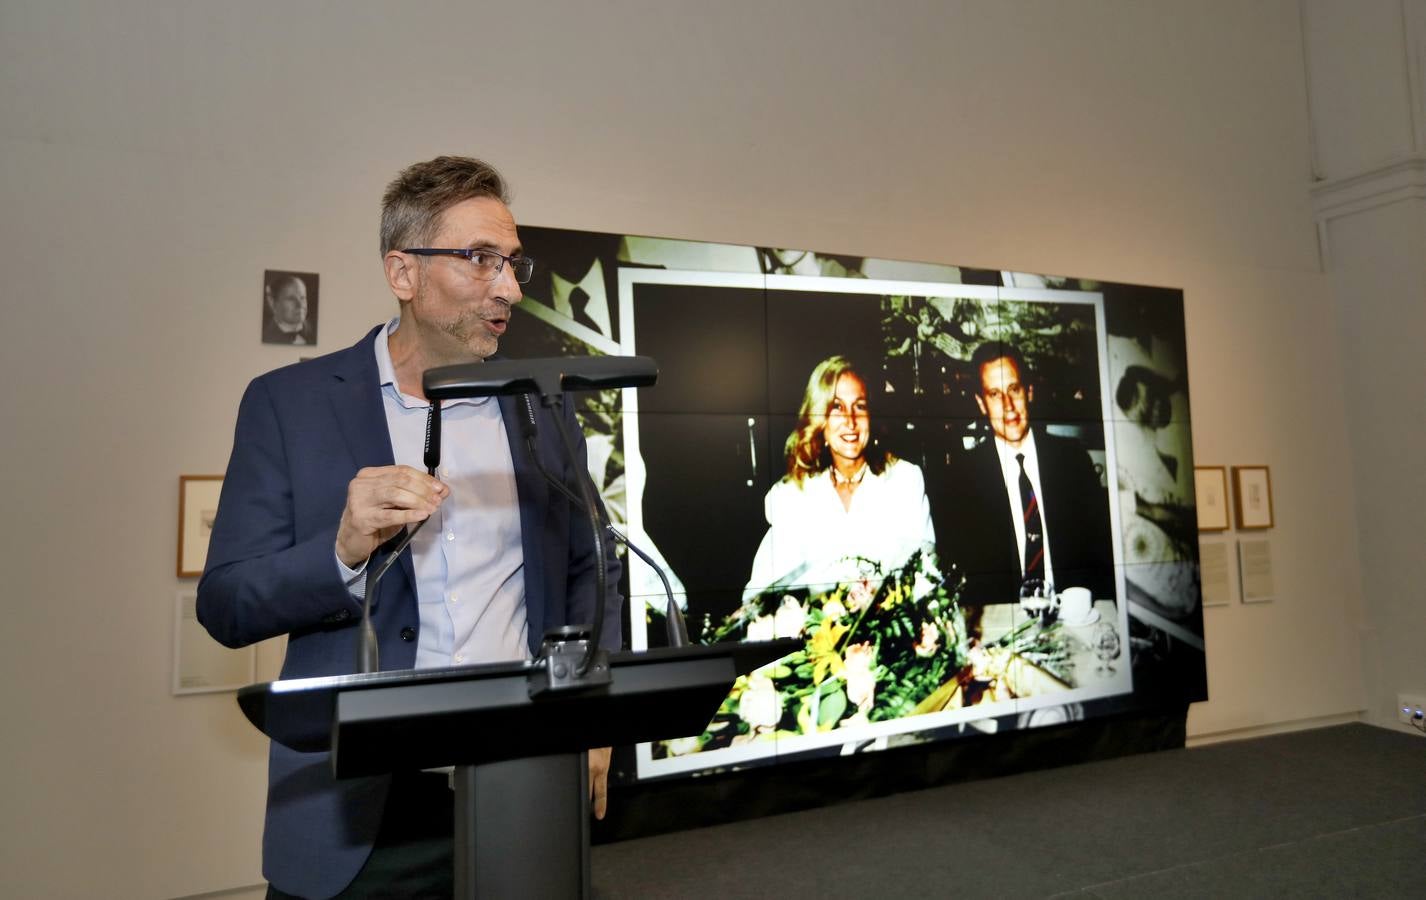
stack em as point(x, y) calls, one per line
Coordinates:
point(386, 374)
point(864, 476)
point(1007, 453)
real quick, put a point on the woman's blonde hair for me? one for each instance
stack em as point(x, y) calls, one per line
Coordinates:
point(806, 449)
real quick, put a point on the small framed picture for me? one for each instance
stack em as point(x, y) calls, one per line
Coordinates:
point(201, 665)
point(1211, 488)
point(289, 307)
point(1215, 572)
point(197, 508)
point(1253, 496)
point(1255, 570)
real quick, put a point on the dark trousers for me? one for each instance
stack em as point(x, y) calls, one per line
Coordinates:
point(412, 858)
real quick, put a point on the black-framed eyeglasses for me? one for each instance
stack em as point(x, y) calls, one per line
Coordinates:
point(488, 264)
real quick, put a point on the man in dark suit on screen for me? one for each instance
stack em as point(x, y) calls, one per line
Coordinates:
point(1026, 504)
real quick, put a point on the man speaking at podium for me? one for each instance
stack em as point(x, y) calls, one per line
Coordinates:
point(326, 474)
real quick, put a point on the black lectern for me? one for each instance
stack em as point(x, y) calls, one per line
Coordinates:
point(521, 792)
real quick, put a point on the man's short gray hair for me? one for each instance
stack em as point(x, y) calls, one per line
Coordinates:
point(412, 206)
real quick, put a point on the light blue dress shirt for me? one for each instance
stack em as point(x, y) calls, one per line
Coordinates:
point(470, 569)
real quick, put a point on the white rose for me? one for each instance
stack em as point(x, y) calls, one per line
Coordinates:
point(860, 595)
point(930, 640)
point(761, 629)
point(787, 622)
point(923, 584)
point(855, 720)
point(833, 609)
point(684, 745)
point(857, 670)
point(760, 705)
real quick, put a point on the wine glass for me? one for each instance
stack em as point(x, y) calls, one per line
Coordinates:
point(1104, 640)
point(1037, 599)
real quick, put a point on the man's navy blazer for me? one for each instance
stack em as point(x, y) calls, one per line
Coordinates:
point(303, 432)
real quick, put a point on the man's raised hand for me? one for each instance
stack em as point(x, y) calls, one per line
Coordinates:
point(380, 502)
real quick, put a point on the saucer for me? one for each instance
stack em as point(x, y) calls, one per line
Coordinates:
point(1080, 623)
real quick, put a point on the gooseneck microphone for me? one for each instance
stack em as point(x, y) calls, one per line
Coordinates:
point(675, 628)
point(368, 658)
point(601, 563)
point(551, 378)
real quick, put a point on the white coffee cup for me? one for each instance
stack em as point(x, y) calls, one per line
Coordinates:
point(1076, 604)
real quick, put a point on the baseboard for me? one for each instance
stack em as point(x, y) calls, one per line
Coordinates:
point(1254, 731)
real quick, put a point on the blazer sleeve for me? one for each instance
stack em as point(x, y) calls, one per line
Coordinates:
point(261, 578)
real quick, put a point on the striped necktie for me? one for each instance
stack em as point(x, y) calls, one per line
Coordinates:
point(1034, 529)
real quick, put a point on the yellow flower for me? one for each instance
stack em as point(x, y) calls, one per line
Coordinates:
point(893, 597)
point(806, 722)
point(823, 650)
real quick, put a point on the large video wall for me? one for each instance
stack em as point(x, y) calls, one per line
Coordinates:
point(970, 492)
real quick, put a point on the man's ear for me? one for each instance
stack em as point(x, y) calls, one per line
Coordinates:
point(401, 275)
point(980, 402)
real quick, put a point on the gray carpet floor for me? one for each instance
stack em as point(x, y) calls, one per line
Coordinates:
point(1334, 812)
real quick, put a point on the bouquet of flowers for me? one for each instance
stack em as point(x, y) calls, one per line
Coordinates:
point(876, 647)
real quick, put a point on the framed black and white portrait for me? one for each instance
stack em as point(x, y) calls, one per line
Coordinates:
point(289, 308)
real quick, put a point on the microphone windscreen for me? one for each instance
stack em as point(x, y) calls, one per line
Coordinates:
point(432, 455)
point(547, 376)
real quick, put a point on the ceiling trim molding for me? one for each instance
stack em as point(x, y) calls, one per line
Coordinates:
point(1399, 180)
point(1336, 197)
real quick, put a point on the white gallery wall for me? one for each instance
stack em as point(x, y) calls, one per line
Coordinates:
point(156, 157)
point(1366, 66)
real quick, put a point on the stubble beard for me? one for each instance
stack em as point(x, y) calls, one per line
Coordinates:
point(468, 331)
point(460, 339)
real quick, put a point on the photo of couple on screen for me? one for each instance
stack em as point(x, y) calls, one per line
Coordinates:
point(965, 492)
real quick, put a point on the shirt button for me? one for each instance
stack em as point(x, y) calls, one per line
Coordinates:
point(454, 599)
point(460, 657)
point(450, 535)
point(445, 471)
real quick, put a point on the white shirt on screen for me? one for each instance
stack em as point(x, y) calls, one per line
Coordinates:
point(1010, 471)
point(813, 540)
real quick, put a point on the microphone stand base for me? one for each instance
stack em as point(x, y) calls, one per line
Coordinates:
point(556, 670)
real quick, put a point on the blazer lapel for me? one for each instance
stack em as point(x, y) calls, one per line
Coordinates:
point(533, 494)
point(361, 415)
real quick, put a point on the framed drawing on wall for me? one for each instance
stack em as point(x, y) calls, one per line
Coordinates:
point(197, 508)
point(1215, 572)
point(1255, 570)
point(201, 665)
point(1253, 496)
point(1211, 488)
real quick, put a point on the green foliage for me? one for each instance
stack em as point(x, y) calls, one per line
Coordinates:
point(875, 648)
